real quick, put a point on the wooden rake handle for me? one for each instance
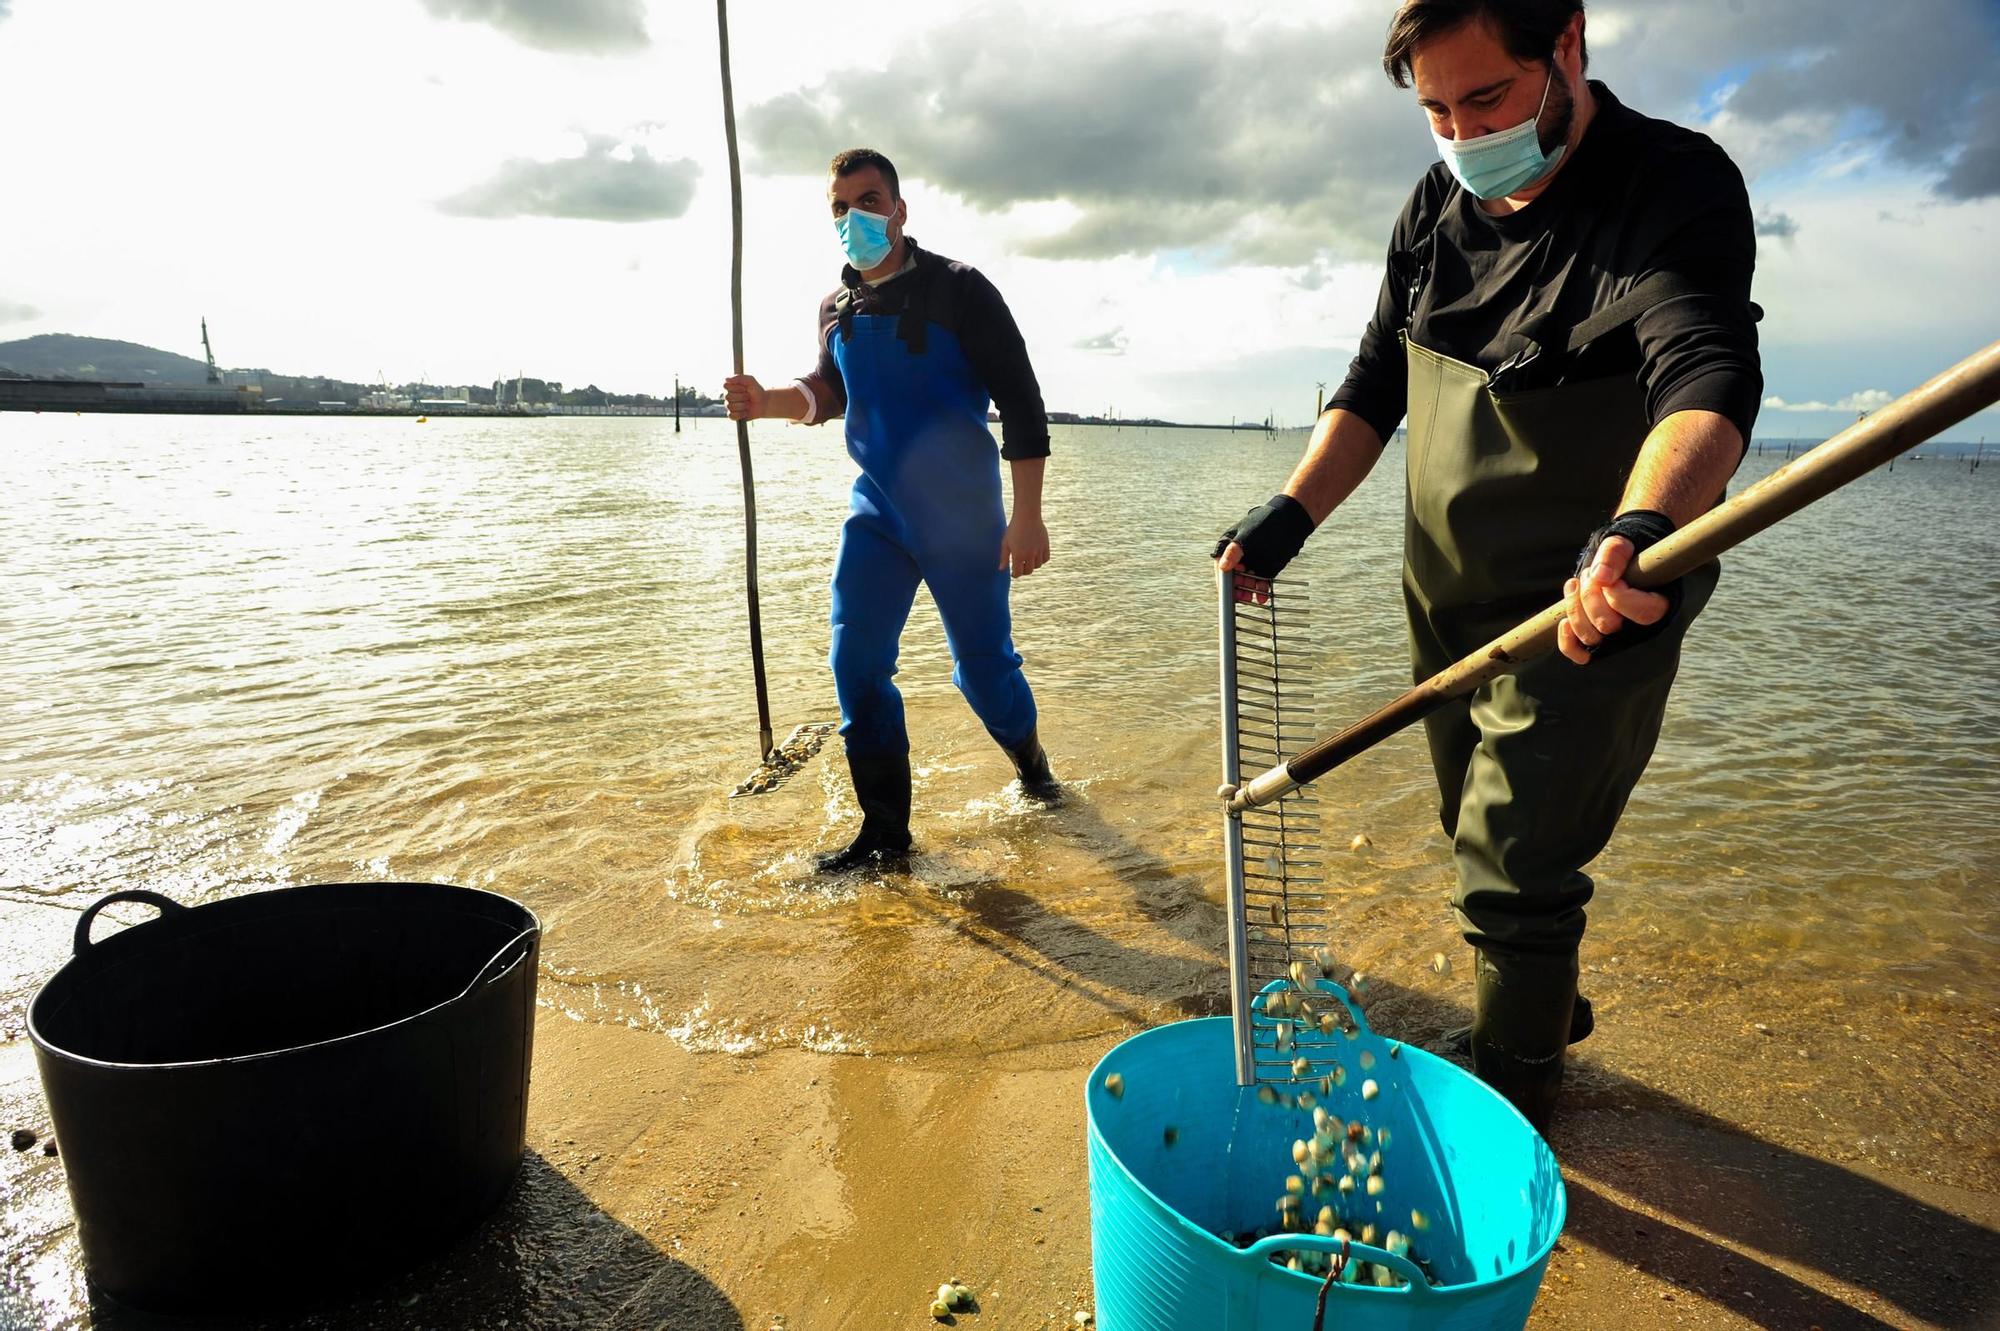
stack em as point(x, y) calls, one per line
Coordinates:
point(1967, 387)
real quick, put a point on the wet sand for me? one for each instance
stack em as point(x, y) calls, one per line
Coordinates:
point(1810, 1174)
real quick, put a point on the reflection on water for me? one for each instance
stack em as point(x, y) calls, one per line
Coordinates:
point(513, 654)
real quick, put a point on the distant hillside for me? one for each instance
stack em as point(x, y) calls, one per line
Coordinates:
point(58, 354)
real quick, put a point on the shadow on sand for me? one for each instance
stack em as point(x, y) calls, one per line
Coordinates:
point(548, 1260)
point(1675, 1158)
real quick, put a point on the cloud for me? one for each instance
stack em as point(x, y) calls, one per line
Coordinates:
point(1975, 173)
point(609, 183)
point(1771, 222)
point(1818, 76)
point(1112, 342)
point(1257, 140)
point(588, 27)
point(1868, 399)
point(12, 311)
point(1244, 141)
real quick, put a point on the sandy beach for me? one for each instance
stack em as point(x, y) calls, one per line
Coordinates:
point(1719, 1176)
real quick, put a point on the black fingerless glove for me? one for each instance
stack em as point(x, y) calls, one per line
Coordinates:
point(1643, 528)
point(1270, 534)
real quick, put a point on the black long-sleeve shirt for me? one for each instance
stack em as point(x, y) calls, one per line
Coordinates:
point(1640, 196)
point(958, 297)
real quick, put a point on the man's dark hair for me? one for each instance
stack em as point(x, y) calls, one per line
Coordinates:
point(1527, 28)
point(859, 159)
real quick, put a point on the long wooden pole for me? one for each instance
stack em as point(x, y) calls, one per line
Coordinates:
point(764, 744)
point(1971, 385)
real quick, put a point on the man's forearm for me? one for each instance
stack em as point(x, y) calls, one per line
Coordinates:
point(1342, 452)
point(1026, 474)
point(785, 404)
point(1684, 466)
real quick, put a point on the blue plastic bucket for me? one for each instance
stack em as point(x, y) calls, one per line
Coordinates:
point(1485, 1180)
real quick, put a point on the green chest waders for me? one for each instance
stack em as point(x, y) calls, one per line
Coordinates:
point(1534, 768)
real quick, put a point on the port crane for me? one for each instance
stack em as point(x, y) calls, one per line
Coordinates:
point(214, 375)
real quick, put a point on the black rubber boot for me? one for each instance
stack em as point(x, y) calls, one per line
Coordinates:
point(1521, 1028)
point(882, 789)
point(1582, 1022)
point(1031, 765)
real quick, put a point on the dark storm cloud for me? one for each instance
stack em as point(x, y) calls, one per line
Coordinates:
point(603, 185)
point(1282, 144)
point(1903, 79)
point(1975, 174)
point(589, 27)
point(1259, 143)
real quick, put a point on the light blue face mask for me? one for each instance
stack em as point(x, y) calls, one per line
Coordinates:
point(864, 236)
point(1497, 164)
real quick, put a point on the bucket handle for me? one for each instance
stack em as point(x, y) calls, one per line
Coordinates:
point(167, 906)
point(1419, 1284)
point(486, 971)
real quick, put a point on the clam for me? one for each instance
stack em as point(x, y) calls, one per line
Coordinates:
point(1346, 1184)
point(1440, 963)
point(1367, 1060)
point(1419, 1221)
point(941, 1310)
point(1302, 1067)
point(1267, 1095)
point(1375, 1185)
point(1360, 842)
point(1301, 1151)
point(1369, 1090)
point(1114, 1085)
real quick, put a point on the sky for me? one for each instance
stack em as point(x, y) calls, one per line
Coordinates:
point(1187, 212)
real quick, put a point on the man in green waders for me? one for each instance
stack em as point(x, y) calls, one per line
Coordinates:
point(1566, 323)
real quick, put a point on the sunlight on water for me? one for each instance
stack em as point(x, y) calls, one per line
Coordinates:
point(513, 654)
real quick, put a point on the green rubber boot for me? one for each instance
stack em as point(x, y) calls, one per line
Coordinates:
point(1521, 1029)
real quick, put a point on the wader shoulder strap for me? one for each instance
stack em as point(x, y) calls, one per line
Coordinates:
point(843, 310)
point(1629, 308)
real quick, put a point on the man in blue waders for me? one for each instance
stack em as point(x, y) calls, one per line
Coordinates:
point(1566, 323)
point(912, 346)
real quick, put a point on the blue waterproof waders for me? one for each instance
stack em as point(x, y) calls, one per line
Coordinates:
point(927, 508)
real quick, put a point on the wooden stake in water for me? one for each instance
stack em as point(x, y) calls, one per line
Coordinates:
point(743, 427)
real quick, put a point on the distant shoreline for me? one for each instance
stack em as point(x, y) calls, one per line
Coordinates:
point(1957, 450)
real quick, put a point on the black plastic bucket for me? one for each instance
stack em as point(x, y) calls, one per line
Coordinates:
point(266, 1100)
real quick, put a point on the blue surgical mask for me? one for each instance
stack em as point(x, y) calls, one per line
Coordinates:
point(865, 237)
point(1497, 164)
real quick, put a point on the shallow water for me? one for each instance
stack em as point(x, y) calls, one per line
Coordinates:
point(513, 654)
